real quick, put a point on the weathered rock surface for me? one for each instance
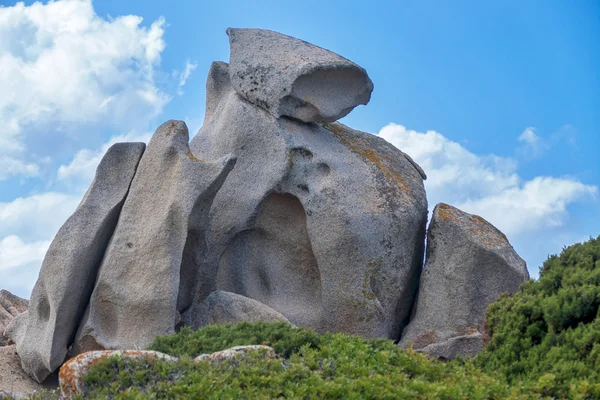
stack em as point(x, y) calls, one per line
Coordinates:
point(237, 352)
point(290, 77)
point(10, 306)
point(324, 224)
point(469, 264)
point(14, 381)
point(465, 346)
point(224, 307)
point(66, 279)
point(148, 271)
point(73, 371)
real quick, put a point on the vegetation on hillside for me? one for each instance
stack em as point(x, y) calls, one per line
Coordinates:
point(544, 343)
point(548, 333)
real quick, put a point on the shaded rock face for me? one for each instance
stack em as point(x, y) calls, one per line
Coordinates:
point(293, 78)
point(469, 264)
point(230, 308)
point(144, 277)
point(10, 306)
point(322, 223)
point(44, 333)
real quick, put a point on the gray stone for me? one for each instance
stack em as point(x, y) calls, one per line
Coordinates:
point(148, 272)
point(58, 300)
point(465, 346)
point(290, 77)
point(322, 223)
point(10, 306)
point(469, 264)
point(237, 353)
point(225, 307)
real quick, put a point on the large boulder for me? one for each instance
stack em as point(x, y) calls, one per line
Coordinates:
point(10, 306)
point(44, 333)
point(229, 308)
point(322, 223)
point(148, 271)
point(290, 77)
point(469, 264)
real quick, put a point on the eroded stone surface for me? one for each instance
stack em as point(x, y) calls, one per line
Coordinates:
point(229, 308)
point(290, 77)
point(44, 333)
point(148, 272)
point(469, 264)
point(322, 223)
point(10, 306)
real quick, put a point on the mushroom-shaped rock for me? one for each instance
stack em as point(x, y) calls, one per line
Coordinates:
point(148, 272)
point(73, 371)
point(323, 223)
point(225, 307)
point(290, 77)
point(469, 264)
point(10, 306)
point(44, 333)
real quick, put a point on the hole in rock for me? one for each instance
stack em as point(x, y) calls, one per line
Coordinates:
point(274, 262)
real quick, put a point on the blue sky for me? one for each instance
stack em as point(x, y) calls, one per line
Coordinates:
point(498, 101)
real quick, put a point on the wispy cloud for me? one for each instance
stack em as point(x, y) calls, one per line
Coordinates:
point(184, 75)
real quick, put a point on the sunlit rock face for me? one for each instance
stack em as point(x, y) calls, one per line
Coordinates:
point(320, 222)
point(469, 264)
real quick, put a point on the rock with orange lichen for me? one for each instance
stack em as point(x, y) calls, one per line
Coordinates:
point(148, 270)
point(74, 370)
point(469, 264)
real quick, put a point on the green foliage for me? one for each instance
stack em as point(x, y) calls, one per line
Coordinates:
point(339, 367)
point(548, 334)
point(284, 338)
point(544, 344)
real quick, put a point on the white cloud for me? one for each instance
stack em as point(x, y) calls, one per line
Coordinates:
point(36, 217)
point(538, 203)
point(63, 67)
point(533, 145)
point(14, 252)
point(184, 75)
point(83, 166)
point(487, 185)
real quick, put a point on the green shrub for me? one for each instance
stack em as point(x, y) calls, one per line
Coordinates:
point(339, 367)
point(544, 344)
point(548, 334)
point(284, 338)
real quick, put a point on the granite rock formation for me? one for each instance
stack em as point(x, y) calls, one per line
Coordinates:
point(322, 223)
point(469, 264)
point(147, 270)
point(44, 333)
point(300, 219)
point(229, 308)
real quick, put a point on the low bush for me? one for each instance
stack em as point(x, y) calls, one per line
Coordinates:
point(548, 334)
